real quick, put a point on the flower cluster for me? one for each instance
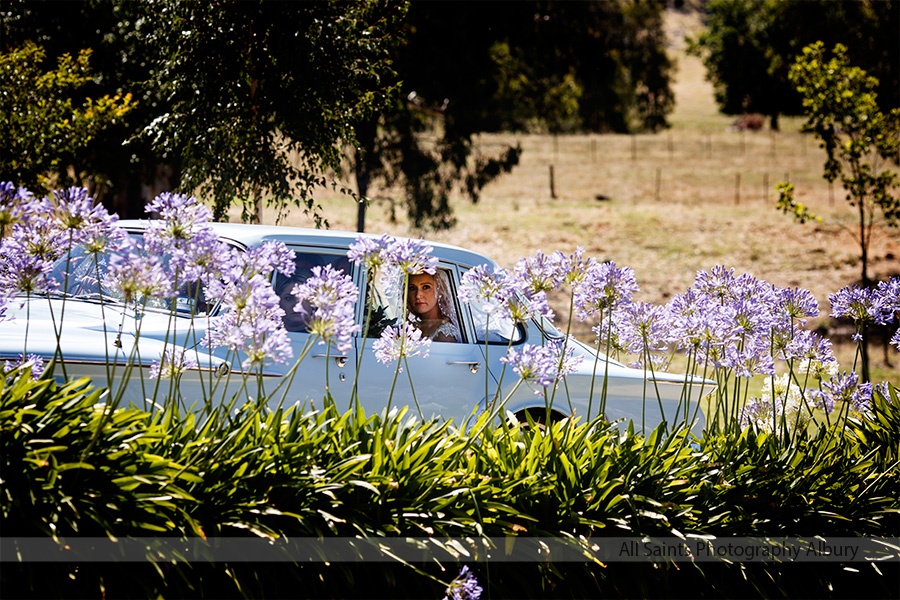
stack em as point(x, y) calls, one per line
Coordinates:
point(35, 362)
point(502, 294)
point(534, 364)
point(252, 319)
point(412, 256)
point(44, 231)
point(83, 222)
point(783, 405)
point(171, 364)
point(402, 341)
point(371, 253)
point(464, 587)
point(137, 275)
point(603, 287)
point(327, 300)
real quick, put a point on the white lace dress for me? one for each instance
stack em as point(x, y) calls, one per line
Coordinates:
point(448, 329)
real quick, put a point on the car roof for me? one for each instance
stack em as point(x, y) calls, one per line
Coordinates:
point(254, 235)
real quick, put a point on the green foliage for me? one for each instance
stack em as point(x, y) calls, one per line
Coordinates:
point(251, 83)
point(840, 103)
point(43, 127)
point(322, 473)
point(749, 47)
point(789, 206)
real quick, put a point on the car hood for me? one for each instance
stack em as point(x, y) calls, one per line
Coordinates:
point(97, 332)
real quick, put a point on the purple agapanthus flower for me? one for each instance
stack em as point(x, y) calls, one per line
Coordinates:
point(32, 360)
point(564, 354)
point(252, 322)
point(180, 219)
point(78, 217)
point(697, 323)
point(537, 306)
point(861, 399)
point(413, 256)
point(883, 388)
point(39, 237)
point(719, 283)
point(489, 288)
point(863, 305)
point(538, 273)
point(895, 340)
point(750, 360)
point(464, 587)
point(643, 329)
point(371, 253)
point(608, 334)
point(22, 271)
point(534, 364)
point(890, 293)
point(13, 202)
point(327, 299)
point(845, 387)
point(797, 303)
point(171, 364)
point(136, 275)
point(402, 341)
point(604, 286)
point(573, 269)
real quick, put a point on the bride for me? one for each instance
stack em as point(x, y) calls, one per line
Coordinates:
point(428, 298)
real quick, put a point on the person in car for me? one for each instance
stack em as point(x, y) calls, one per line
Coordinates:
point(293, 321)
point(428, 298)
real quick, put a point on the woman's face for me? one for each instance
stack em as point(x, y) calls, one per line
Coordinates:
point(293, 321)
point(421, 296)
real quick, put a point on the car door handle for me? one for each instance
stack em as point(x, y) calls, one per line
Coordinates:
point(473, 366)
point(340, 360)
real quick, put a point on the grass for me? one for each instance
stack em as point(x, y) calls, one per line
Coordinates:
point(690, 198)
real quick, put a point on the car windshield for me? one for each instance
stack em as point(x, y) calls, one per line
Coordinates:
point(83, 275)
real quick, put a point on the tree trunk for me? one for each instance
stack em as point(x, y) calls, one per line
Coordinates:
point(365, 155)
point(773, 122)
point(362, 189)
point(864, 259)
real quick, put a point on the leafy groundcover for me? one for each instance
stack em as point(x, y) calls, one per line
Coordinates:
point(71, 469)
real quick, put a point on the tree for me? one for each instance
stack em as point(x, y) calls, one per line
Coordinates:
point(42, 126)
point(841, 107)
point(119, 168)
point(249, 83)
point(749, 46)
point(472, 67)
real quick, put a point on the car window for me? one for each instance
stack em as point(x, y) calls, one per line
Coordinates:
point(304, 262)
point(500, 330)
point(84, 275)
point(429, 299)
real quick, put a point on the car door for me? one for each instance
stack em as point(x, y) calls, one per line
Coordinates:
point(323, 369)
point(449, 382)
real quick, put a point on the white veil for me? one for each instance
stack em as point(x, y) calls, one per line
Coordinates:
point(445, 300)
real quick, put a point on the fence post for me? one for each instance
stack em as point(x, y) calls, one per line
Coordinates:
point(737, 189)
point(765, 188)
point(552, 184)
point(658, 182)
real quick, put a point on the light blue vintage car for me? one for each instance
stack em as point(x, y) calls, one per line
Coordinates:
point(97, 337)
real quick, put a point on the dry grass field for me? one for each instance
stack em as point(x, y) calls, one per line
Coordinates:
point(690, 198)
